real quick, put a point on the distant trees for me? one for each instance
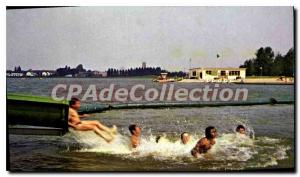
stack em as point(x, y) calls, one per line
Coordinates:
point(79, 71)
point(267, 64)
point(285, 64)
point(177, 74)
point(18, 69)
point(80, 68)
point(70, 71)
point(111, 72)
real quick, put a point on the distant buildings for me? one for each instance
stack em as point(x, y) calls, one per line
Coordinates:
point(43, 73)
point(14, 74)
point(217, 74)
point(47, 73)
point(30, 73)
point(80, 72)
point(99, 73)
point(17, 72)
point(52, 73)
point(144, 65)
point(90, 73)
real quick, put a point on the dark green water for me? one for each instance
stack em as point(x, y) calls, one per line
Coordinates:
point(271, 128)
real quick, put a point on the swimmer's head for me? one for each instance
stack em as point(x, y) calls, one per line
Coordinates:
point(185, 137)
point(240, 129)
point(157, 138)
point(74, 103)
point(134, 129)
point(210, 132)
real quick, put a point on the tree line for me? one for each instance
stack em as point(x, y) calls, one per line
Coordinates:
point(111, 72)
point(266, 63)
point(139, 71)
point(67, 70)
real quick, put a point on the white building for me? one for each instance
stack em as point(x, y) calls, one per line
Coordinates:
point(218, 74)
point(103, 73)
point(46, 73)
point(68, 75)
point(30, 74)
point(99, 73)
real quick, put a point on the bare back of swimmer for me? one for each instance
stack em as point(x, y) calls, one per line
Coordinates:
point(205, 143)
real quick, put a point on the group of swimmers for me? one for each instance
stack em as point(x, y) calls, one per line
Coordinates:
point(108, 134)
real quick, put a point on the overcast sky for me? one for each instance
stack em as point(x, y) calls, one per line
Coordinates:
point(124, 37)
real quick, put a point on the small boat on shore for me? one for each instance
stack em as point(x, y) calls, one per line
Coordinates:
point(163, 81)
point(163, 78)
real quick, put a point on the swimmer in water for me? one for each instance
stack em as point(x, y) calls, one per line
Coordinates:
point(135, 135)
point(161, 138)
point(74, 121)
point(205, 143)
point(241, 137)
point(240, 129)
point(158, 138)
point(185, 137)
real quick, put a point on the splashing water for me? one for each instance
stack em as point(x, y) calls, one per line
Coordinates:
point(230, 149)
point(271, 147)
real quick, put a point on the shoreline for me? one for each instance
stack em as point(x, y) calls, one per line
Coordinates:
point(257, 81)
point(252, 81)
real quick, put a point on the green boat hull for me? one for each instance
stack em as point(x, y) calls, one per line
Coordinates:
point(37, 111)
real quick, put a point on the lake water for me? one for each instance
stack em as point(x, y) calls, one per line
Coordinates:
point(270, 144)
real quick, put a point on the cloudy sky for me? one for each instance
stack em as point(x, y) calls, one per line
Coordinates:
point(124, 37)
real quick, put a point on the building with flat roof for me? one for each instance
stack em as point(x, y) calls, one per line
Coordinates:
point(218, 74)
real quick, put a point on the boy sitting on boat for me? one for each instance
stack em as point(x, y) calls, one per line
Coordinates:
point(74, 121)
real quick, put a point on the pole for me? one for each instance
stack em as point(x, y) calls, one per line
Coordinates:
point(261, 70)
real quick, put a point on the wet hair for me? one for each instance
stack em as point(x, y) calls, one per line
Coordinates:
point(181, 136)
point(239, 127)
point(73, 101)
point(207, 131)
point(157, 139)
point(132, 127)
point(273, 101)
